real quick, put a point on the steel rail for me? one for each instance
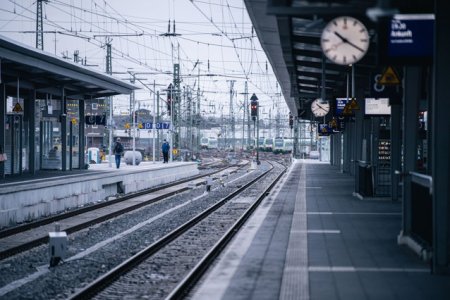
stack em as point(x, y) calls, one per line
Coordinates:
point(108, 278)
point(185, 286)
point(42, 240)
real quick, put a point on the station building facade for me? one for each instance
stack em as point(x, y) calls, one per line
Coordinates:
point(42, 105)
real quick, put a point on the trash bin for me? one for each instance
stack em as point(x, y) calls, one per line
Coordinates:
point(365, 179)
point(94, 155)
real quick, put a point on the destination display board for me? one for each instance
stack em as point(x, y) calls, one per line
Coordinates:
point(406, 39)
point(377, 107)
point(340, 105)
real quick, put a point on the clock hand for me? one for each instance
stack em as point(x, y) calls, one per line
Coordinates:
point(321, 107)
point(351, 44)
point(341, 37)
point(347, 41)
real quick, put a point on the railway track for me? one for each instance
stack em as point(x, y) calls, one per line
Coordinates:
point(222, 220)
point(27, 236)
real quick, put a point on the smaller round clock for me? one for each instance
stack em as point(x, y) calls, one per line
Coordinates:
point(345, 40)
point(320, 108)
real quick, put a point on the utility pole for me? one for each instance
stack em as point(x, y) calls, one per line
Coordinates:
point(243, 126)
point(109, 101)
point(270, 123)
point(233, 133)
point(255, 116)
point(39, 25)
point(176, 106)
point(172, 126)
point(191, 110)
point(248, 114)
point(133, 117)
point(154, 121)
point(198, 118)
point(157, 118)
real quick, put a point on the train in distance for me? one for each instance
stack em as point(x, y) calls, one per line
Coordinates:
point(275, 145)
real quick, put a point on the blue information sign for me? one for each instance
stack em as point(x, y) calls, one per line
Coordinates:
point(160, 125)
point(340, 105)
point(406, 39)
point(411, 36)
point(324, 129)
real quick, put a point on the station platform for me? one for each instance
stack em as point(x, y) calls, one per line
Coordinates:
point(312, 239)
point(27, 197)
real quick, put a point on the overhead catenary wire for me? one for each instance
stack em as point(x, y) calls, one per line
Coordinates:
point(87, 20)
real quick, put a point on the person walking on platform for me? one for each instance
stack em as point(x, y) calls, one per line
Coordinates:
point(165, 150)
point(118, 150)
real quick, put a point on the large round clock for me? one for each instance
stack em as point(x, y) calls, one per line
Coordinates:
point(345, 40)
point(320, 108)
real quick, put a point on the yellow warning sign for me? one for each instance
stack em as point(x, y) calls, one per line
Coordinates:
point(333, 123)
point(347, 110)
point(389, 77)
point(353, 104)
point(17, 108)
point(74, 121)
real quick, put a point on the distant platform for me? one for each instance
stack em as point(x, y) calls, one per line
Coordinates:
point(29, 197)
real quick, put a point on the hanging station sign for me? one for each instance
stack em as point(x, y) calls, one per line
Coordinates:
point(407, 39)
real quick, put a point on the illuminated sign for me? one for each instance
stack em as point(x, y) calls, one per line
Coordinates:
point(377, 107)
point(406, 39)
point(411, 36)
point(340, 105)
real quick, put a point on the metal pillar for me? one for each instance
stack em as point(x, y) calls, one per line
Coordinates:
point(81, 135)
point(248, 114)
point(110, 103)
point(257, 137)
point(233, 132)
point(158, 120)
point(411, 98)
point(198, 116)
point(154, 122)
point(441, 141)
point(175, 112)
point(396, 123)
point(39, 25)
point(296, 150)
point(30, 115)
point(63, 130)
point(2, 124)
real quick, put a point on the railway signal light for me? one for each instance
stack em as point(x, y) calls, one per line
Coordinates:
point(169, 99)
point(254, 106)
point(291, 120)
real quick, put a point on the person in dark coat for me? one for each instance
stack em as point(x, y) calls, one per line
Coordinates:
point(165, 150)
point(118, 150)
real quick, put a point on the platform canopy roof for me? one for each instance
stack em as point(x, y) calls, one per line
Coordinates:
point(290, 31)
point(34, 69)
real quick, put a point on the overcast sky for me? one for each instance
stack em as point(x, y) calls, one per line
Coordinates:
point(215, 33)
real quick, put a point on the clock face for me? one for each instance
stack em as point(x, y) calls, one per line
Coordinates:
point(345, 40)
point(319, 108)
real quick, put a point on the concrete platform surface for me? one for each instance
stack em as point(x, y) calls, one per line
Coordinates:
point(312, 239)
point(27, 197)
